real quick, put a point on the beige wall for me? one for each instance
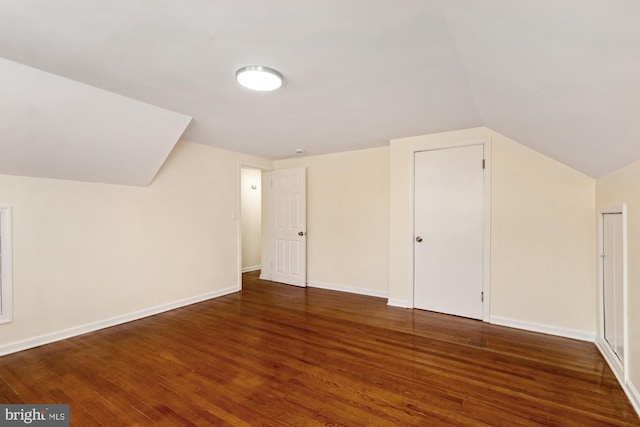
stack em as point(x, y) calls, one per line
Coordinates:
point(251, 217)
point(542, 234)
point(347, 218)
point(85, 252)
point(623, 186)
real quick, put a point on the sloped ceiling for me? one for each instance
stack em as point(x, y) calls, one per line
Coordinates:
point(561, 77)
point(53, 127)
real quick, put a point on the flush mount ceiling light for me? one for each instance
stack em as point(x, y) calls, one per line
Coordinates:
point(257, 77)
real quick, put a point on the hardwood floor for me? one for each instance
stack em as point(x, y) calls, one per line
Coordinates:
point(280, 355)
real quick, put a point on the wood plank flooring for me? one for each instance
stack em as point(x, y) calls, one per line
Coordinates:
point(280, 355)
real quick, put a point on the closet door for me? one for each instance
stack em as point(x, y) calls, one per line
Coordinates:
point(612, 270)
point(449, 224)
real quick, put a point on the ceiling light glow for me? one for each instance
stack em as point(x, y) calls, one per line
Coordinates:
point(257, 77)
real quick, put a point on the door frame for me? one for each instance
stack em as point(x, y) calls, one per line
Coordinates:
point(486, 247)
point(237, 214)
point(619, 369)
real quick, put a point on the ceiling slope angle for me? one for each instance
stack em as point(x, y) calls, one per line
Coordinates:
point(53, 127)
point(560, 77)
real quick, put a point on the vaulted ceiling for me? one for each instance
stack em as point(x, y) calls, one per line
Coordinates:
point(101, 90)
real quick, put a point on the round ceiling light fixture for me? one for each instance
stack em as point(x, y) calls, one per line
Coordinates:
point(257, 77)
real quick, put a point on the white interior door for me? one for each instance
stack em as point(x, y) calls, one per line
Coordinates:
point(449, 224)
point(613, 294)
point(288, 216)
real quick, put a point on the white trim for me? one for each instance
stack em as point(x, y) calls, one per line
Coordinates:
point(627, 386)
point(486, 262)
point(402, 303)
point(28, 343)
point(252, 268)
point(264, 276)
point(619, 369)
point(614, 209)
point(611, 359)
point(633, 395)
point(6, 285)
point(486, 250)
point(545, 329)
point(350, 289)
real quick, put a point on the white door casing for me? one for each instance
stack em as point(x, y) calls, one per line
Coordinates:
point(449, 224)
point(613, 311)
point(288, 222)
point(6, 277)
point(612, 280)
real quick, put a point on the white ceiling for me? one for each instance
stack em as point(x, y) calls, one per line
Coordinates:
point(561, 77)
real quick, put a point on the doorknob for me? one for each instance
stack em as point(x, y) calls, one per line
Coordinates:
point(418, 239)
point(301, 233)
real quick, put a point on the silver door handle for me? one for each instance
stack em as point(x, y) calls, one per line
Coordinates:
point(418, 239)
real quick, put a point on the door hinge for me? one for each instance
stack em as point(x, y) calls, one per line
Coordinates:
point(482, 163)
point(482, 296)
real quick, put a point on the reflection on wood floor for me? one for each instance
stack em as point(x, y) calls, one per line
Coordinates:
point(280, 355)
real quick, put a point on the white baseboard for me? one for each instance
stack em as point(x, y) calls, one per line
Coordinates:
point(545, 329)
point(350, 289)
point(627, 386)
point(633, 395)
point(402, 303)
point(252, 268)
point(611, 359)
point(37, 341)
point(265, 277)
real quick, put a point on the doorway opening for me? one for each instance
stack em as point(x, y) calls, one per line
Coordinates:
point(250, 219)
point(272, 225)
